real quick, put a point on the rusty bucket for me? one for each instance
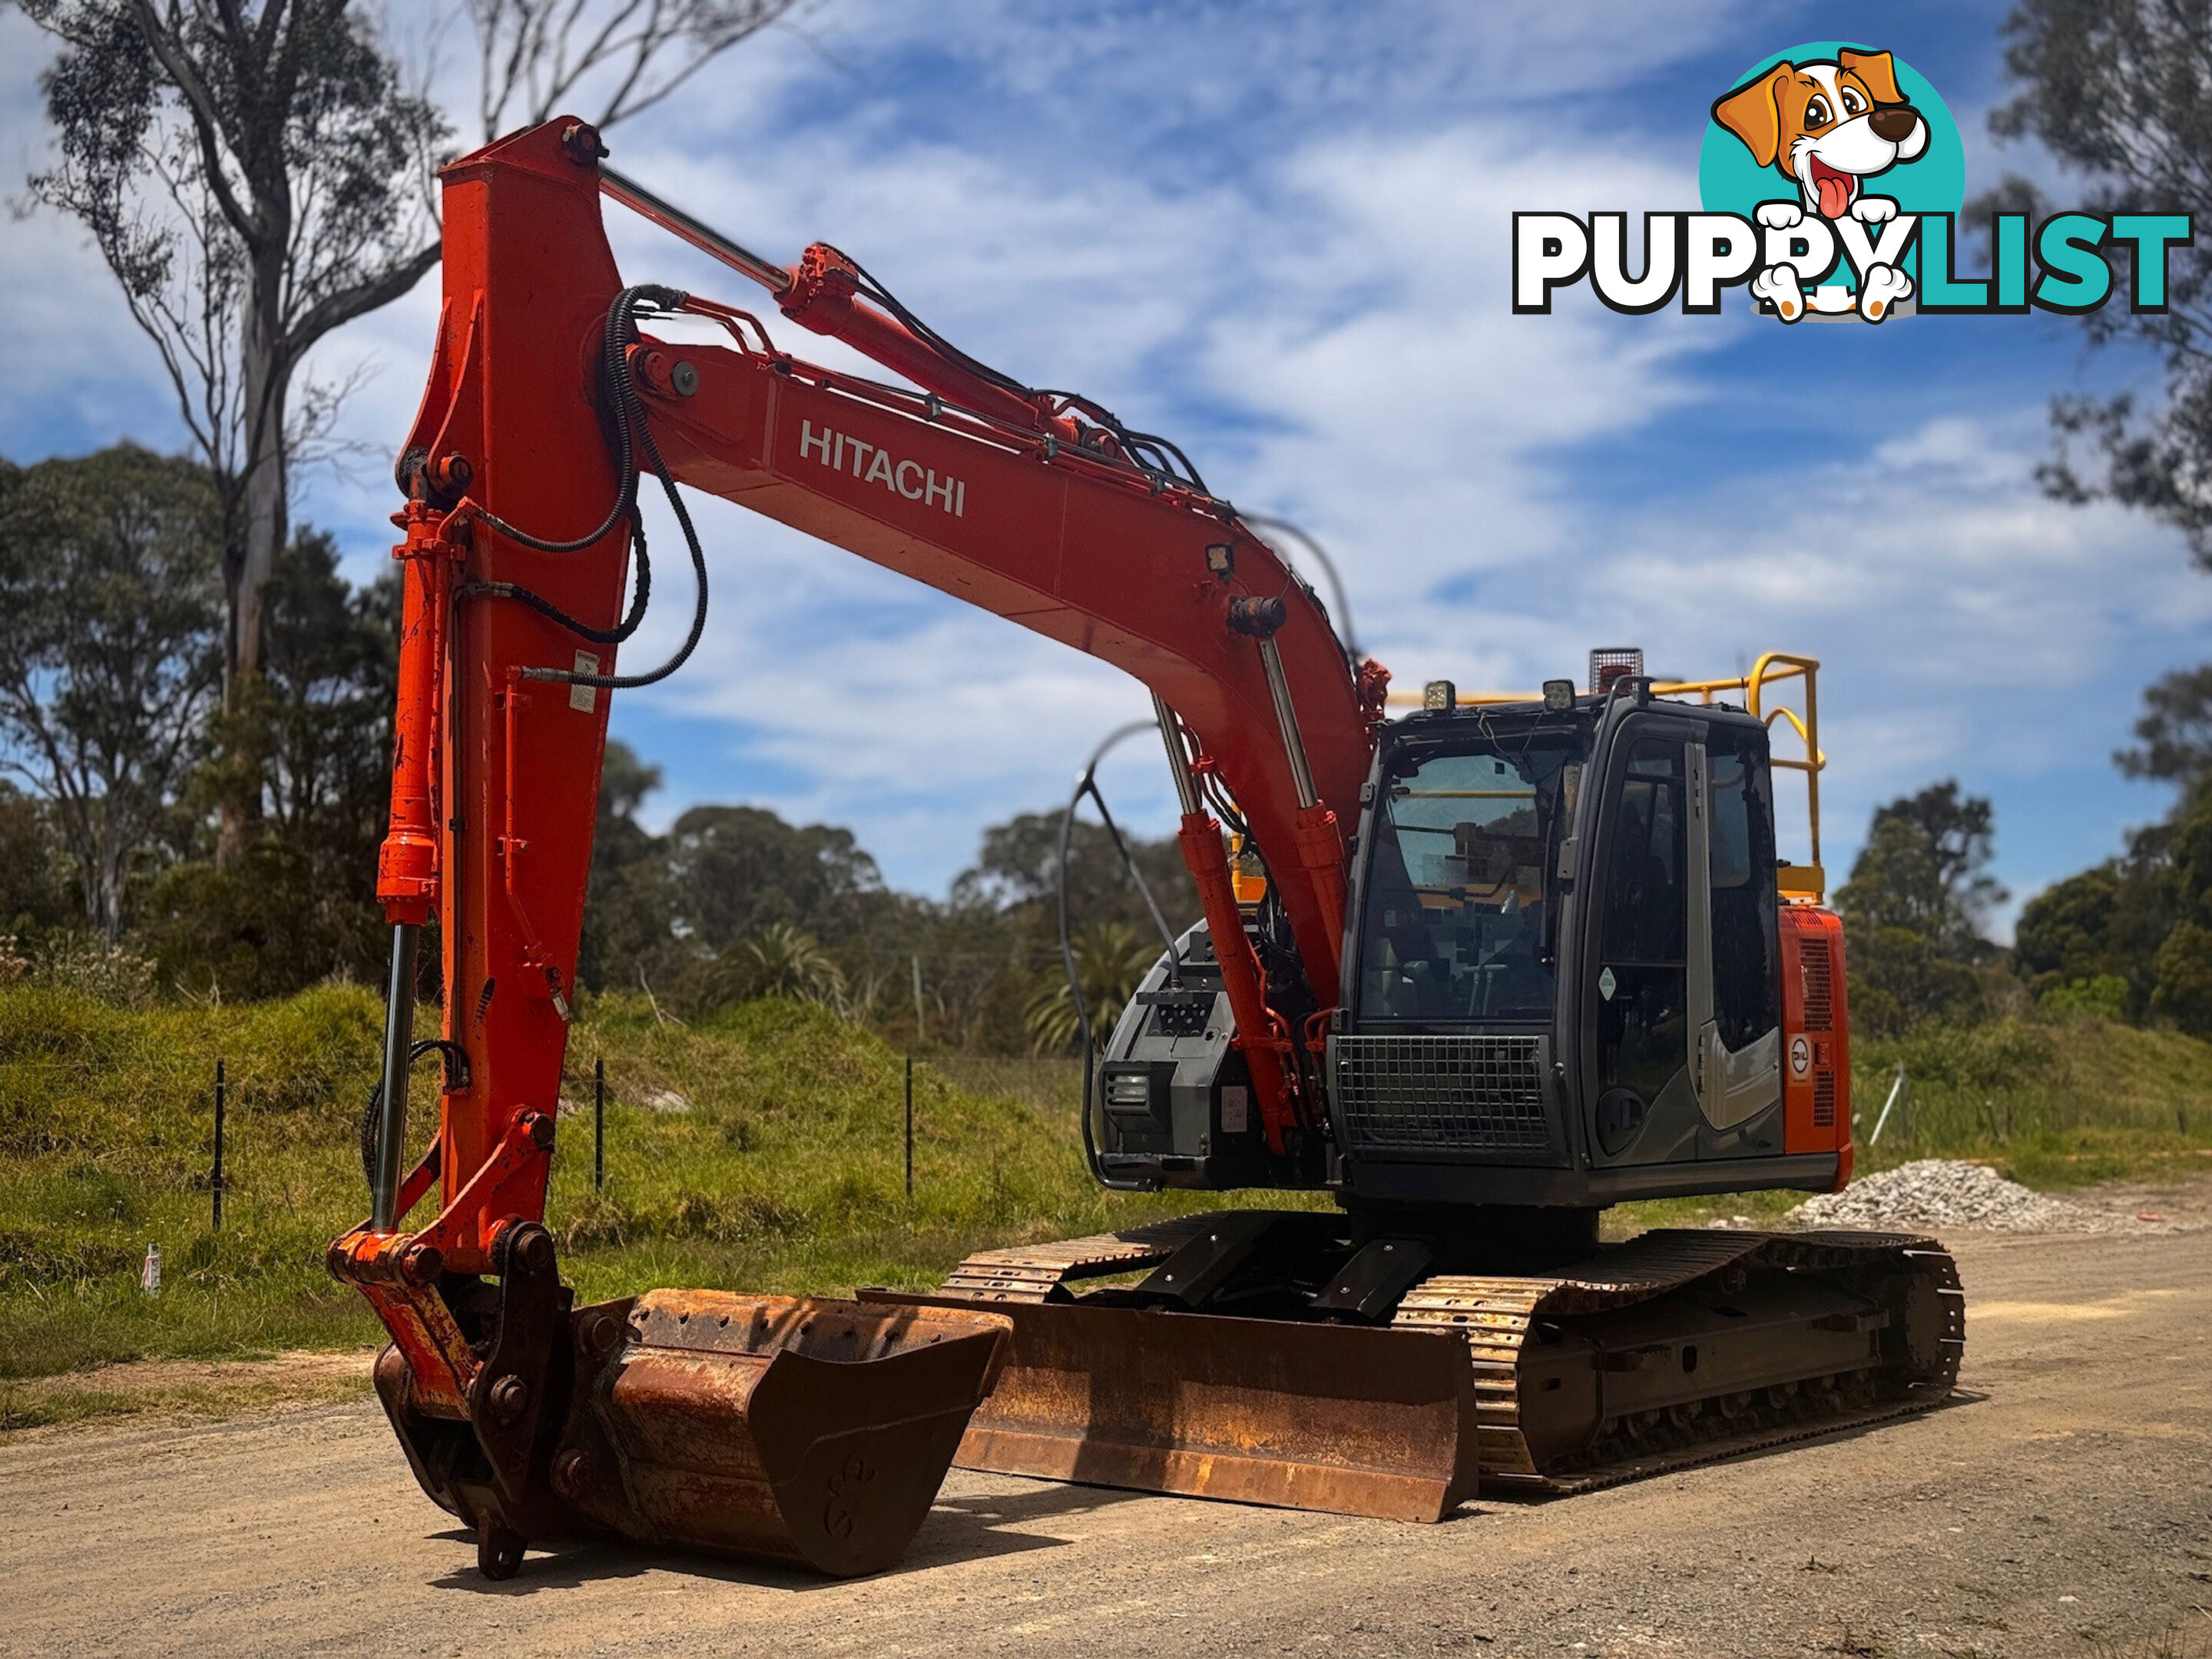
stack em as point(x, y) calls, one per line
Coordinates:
point(1347, 1420)
point(807, 1432)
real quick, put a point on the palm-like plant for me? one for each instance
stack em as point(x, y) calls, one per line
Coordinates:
point(778, 960)
point(1111, 959)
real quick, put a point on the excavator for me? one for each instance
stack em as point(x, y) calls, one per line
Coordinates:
point(1475, 974)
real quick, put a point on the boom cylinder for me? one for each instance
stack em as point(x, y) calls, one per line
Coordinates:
point(1240, 978)
point(1286, 717)
point(1178, 757)
point(407, 864)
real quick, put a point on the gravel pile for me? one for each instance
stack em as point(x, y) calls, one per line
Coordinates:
point(1936, 1193)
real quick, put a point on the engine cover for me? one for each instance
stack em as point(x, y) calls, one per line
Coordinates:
point(1174, 1099)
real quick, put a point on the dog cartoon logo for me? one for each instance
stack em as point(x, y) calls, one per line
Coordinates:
point(1846, 131)
point(1826, 126)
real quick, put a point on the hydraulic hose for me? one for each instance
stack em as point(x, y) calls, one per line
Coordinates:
point(1087, 784)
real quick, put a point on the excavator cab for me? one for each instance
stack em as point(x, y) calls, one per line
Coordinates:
point(1574, 973)
point(1570, 979)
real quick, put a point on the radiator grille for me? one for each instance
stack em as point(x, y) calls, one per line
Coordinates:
point(1820, 991)
point(1824, 1100)
point(1476, 1094)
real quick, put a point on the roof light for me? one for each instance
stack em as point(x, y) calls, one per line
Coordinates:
point(1439, 697)
point(1558, 696)
point(1613, 662)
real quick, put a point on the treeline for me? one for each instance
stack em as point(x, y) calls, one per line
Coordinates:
point(160, 840)
point(2128, 939)
point(156, 840)
point(733, 903)
point(121, 755)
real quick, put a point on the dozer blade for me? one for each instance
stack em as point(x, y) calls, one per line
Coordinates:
point(1345, 1419)
point(809, 1432)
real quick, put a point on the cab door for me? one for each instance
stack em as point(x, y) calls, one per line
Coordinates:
point(1680, 987)
point(1735, 987)
point(1641, 1105)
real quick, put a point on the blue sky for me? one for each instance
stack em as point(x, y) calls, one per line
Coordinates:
point(1279, 233)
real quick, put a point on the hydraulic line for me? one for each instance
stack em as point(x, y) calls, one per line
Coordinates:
point(1087, 784)
point(631, 432)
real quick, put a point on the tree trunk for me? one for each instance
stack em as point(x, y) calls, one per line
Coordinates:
point(265, 525)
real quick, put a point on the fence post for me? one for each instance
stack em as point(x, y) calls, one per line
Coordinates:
point(1895, 1088)
point(909, 1126)
point(920, 1034)
point(599, 1123)
point(215, 1181)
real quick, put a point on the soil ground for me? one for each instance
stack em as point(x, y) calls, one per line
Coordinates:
point(2062, 1506)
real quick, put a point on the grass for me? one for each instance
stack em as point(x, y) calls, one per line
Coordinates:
point(779, 1170)
point(2056, 1104)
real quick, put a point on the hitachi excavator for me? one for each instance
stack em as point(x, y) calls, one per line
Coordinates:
point(1478, 973)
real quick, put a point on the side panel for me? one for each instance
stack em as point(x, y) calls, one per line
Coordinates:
point(1816, 1072)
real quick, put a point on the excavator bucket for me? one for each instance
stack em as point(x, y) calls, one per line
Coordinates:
point(809, 1432)
point(815, 1432)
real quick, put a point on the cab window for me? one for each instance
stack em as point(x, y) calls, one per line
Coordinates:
point(1460, 885)
point(1746, 985)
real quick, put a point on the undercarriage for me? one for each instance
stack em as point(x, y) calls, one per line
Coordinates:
point(1309, 1359)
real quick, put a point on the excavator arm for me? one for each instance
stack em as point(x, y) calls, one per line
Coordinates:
point(548, 403)
point(501, 723)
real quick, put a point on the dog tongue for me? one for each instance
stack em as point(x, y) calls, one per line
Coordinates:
point(1835, 190)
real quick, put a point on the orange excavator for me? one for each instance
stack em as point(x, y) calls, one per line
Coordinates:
point(1478, 973)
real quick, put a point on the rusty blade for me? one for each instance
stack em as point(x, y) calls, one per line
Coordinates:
point(1347, 1420)
point(808, 1432)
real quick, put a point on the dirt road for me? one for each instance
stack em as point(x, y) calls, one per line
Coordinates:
point(2063, 1507)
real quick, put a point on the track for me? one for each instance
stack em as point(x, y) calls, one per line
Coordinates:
point(2061, 1496)
point(1497, 1316)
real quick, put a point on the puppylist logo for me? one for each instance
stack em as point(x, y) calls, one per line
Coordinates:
point(1831, 180)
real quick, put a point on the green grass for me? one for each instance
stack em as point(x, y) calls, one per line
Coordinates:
point(2056, 1104)
point(782, 1174)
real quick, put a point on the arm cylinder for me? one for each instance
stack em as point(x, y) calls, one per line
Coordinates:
point(391, 1107)
point(1178, 757)
point(1286, 717)
point(704, 237)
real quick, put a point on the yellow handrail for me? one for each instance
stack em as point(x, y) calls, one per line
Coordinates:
point(1808, 728)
